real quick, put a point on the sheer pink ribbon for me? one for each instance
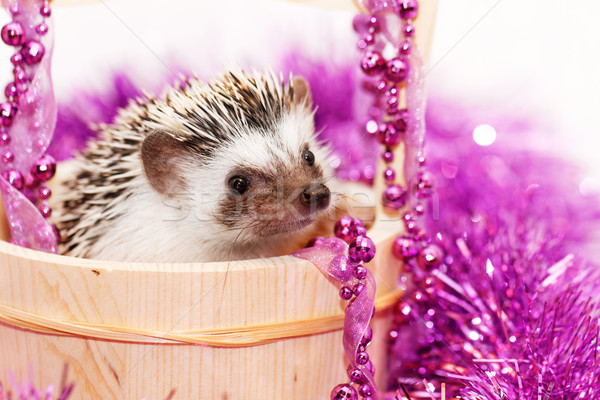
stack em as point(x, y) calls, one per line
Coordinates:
point(30, 133)
point(331, 259)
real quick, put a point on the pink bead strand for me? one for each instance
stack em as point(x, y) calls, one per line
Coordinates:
point(29, 53)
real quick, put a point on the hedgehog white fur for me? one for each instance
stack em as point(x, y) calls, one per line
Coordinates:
point(206, 172)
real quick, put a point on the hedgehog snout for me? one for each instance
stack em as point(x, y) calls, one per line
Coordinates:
point(315, 196)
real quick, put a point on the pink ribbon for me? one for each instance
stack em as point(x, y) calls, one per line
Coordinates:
point(30, 133)
point(331, 258)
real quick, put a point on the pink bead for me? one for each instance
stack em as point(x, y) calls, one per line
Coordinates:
point(408, 9)
point(396, 70)
point(20, 75)
point(343, 392)
point(389, 135)
point(46, 210)
point(355, 375)
point(365, 390)
point(411, 226)
point(372, 63)
point(42, 29)
point(8, 111)
point(430, 257)
point(361, 250)
point(419, 209)
point(32, 52)
point(44, 168)
point(408, 30)
point(362, 358)
point(13, 34)
point(13, 177)
point(404, 48)
point(11, 90)
point(45, 10)
point(394, 197)
point(389, 175)
point(44, 192)
point(382, 86)
point(360, 272)
point(358, 289)
point(7, 156)
point(346, 293)
point(16, 59)
point(392, 104)
point(348, 228)
point(4, 139)
point(387, 156)
point(404, 248)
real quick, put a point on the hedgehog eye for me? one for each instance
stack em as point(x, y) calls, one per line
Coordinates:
point(309, 157)
point(238, 185)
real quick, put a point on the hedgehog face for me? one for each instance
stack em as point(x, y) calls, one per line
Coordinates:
point(258, 177)
point(271, 184)
point(279, 197)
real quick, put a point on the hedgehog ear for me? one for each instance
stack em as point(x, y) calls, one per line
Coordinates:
point(162, 156)
point(301, 91)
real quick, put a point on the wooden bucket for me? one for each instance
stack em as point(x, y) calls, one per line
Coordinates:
point(127, 330)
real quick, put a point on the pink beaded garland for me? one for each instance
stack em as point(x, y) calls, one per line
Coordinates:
point(347, 268)
point(30, 52)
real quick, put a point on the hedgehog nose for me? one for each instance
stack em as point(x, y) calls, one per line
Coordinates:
point(315, 195)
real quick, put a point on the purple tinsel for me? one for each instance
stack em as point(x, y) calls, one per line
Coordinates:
point(510, 313)
point(27, 391)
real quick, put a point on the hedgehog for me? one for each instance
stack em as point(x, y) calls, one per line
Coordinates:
point(226, 170)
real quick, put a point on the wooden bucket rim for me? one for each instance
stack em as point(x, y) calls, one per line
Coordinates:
point(175, 267)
